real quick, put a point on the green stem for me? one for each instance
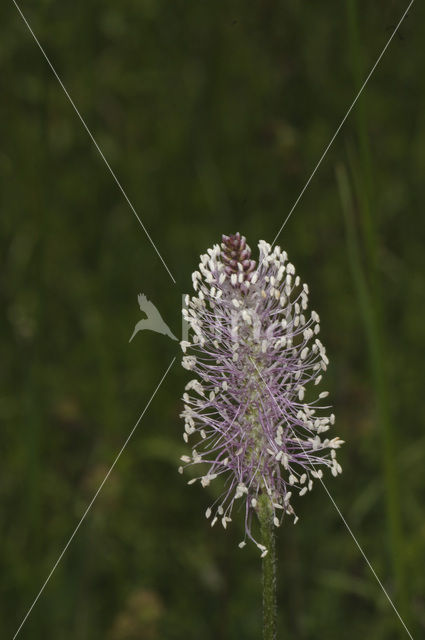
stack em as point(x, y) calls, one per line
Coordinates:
point(265, 516)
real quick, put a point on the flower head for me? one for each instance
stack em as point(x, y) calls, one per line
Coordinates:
point(255, 350)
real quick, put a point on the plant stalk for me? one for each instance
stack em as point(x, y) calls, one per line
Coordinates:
point(265, 516)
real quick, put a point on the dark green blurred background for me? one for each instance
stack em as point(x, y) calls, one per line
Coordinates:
point(213, 115)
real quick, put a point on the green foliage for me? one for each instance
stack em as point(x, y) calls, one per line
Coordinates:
point(213, 116)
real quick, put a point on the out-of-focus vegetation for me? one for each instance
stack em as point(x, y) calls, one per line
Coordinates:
point(213, 115)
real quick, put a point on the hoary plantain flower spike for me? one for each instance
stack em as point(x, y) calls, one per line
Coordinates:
point(254, 349)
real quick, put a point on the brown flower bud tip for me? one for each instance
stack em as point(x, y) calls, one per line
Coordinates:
point(236, 255)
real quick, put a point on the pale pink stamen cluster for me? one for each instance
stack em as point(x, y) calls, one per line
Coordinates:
point(255, 350)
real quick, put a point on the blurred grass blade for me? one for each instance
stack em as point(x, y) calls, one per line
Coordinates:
point(370, 320)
